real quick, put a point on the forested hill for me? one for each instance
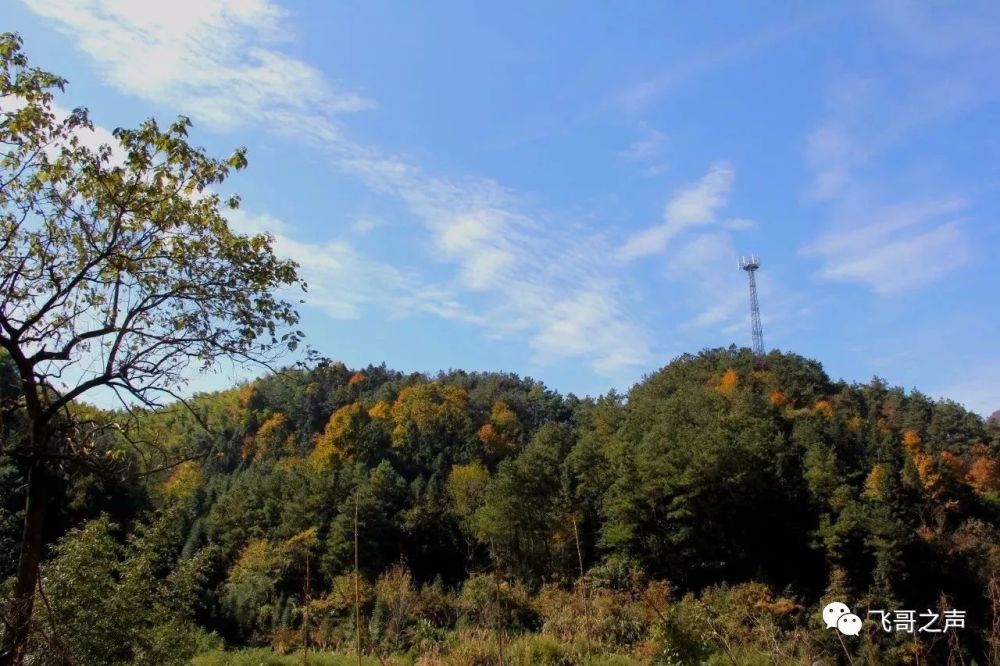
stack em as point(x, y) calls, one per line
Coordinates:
point(719, 469)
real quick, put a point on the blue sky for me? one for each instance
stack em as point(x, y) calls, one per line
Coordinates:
point(562, 189)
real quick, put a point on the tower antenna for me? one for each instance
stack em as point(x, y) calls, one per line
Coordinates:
point(750, 265)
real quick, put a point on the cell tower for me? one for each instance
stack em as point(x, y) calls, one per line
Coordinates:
point(750, 265)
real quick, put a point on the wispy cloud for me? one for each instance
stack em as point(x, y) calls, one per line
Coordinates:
point(93, 137)
point(895, 248)
point(696, 244)
point(542, 282)
point(581, 321)
point(221, 63)
point(892, 240)
point(647, 148)
point(213, 58)
point(693, 205)
point(365, 225)
point(833, 156)
point(535, 278)
point(892, 247)
point(639, 97)
point(342, 281)
point(647, 152)
point(705, 263)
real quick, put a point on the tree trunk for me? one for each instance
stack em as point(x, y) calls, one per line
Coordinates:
point(22, 602)
point(305, 613)
point(357, 580)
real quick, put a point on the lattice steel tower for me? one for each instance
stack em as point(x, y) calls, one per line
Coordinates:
point(750, 265)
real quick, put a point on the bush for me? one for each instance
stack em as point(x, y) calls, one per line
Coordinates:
point(543, 650)
point(396, 605)
point(490, 602)
point(264, 657)
point(110, 604)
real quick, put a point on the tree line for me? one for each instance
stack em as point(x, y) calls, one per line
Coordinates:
point(721, 470)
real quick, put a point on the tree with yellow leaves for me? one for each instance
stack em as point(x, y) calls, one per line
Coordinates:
point(878, 483)
point(467, 488)
point(342, 435)
point(430, 420)
point(274, 438)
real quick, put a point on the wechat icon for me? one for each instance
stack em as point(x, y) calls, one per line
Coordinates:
point(837, 615)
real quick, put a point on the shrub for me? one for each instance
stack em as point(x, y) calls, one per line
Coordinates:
point(489, 602)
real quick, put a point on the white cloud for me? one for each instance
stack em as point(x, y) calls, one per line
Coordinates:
point(647, 148)
point(588, 319)
point(531, 274)
point(200, 55)
point(943, 67)
point(832, 150)
point(219, 62)
point(692, 206)
point(833, 156)
point(706, 266)
point(481, 269)
point(640, 96)
point(364, 225)
point(90, 137)
point(243, 222)
point(342, 281)
point(890, 247)
point(524, 270)
point(700, 258)
point(697, 204)
point(739, 224)
point(892, 262)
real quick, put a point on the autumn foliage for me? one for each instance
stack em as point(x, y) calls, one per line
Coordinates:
point(984, 475)
point(502, 433)
point(341, 435)
point(720, 495)
point(273, 439)
point(730, 380)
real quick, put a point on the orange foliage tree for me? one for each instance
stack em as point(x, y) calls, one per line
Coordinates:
point(823, 407)
point(728, 383)
point(984, 475)
point(502, 433)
